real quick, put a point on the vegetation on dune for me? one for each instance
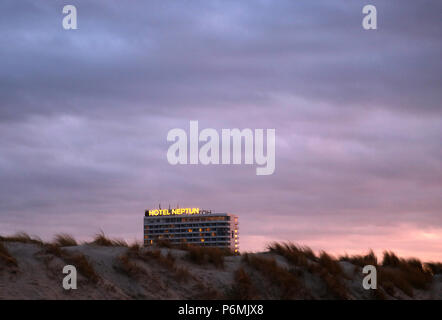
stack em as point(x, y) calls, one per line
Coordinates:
point(168, 261)
point(200, 254)
point(404, 274)
point(205, 255)
point(64, 240)
point(77, 259)
point(242, 287)
point(298, 256)
point(81, 262)
point(393, 272)
point(100, 239)
point(6, 257)
point(22, 237)
point(361, 260)
point(325, 266)
point(289, 284)
point(434, 267)
point(126, 266)
point(290, 278)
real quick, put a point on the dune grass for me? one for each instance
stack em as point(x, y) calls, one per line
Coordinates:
point(77, 259)
point(242, 288)
point(54, 249)
point(205, 255)
point(82, 264)
point(6, 257)
point(289, 284)
point(404, 274)
point(168, 261)
point(330, 264)
point(394, 273)
point(126, 266)
point(434, 267)
point(199, 255)
point(361, 260)
point(325, 266)
point(22, 237)
point(64, 240)
point(100, 239)
point(296, 255)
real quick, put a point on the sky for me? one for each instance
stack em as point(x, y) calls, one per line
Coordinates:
point(84, 116)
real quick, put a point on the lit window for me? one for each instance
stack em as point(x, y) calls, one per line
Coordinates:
point(202, 240)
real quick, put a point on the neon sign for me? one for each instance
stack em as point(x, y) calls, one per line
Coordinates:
point(169, 212)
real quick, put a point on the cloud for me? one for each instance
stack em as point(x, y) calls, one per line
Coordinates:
point(84, 115)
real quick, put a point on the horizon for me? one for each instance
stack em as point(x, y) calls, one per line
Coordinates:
point(357, 115)
point(317, 251)
point(336, 254)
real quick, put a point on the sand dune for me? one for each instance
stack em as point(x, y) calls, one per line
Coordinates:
point(34, 271)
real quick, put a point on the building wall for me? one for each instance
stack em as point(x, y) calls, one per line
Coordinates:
point(213, 230)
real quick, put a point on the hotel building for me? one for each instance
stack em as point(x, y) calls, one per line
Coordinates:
point(191, 226)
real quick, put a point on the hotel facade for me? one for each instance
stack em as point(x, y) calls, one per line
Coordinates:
point(191, 226)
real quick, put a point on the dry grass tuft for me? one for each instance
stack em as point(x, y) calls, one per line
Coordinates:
point(182, 274)
point(79, 260)
point(203, 255)
point(288, 283)
point(298, 256)
point(434, 267)
point(330, 264)
point(54, 250)
point(361, 260)
point(164, 243)
point(6, 257)
point(168, 261)
point(22, 237)
point(82, 264)
point(135, 247)
point(64, 240)
point(334, 284)
point(405, 274)
point(101, 240)
point(128, 267)
point(243, 288)
point(390, 279)
point(325, 266)
point(390, 259)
